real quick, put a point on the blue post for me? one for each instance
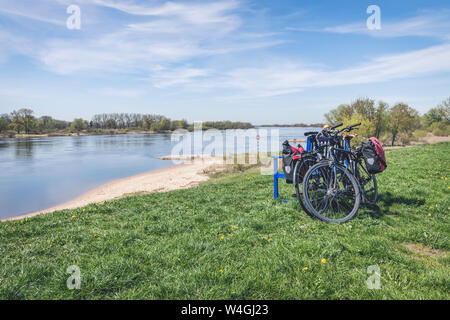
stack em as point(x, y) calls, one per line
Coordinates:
point(275, 177)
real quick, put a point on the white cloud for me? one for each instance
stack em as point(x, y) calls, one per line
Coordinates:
point(429, 24)
point(284, 78)
point(181, 76)
point(168, 34)
point(121, 93)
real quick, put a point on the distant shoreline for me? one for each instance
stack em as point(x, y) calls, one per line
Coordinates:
point(113, 132)
point(76, 134)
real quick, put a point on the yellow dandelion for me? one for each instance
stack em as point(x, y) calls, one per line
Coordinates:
point(187, 207)
point(73, 217)
point(222, 237)
point(305, 269)
point(431, 207)
point(84, 210)
point(95, 236)
point(235, 227)
point(324, 261)
point(429, 214)
point(270, 240)
point(229, 234)
point(221, 271)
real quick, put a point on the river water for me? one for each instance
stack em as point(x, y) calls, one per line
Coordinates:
point(38, 173)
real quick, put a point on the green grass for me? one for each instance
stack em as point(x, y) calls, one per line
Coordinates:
point(167, 245)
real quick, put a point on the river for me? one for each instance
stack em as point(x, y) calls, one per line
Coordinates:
point(39, 173)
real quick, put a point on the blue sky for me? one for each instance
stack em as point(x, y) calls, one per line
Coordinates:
point(257, 61)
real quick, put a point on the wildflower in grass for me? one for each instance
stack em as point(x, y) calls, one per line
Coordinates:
point(270, 240)
point(84, 210)
point(221, 271)
point(229, 234)
point(324, 261)
point(187, 207)
point(95, 236)
point(73, 217)
point(305, 269)
point(429, 214)
point(235, 227)
point(222, 237)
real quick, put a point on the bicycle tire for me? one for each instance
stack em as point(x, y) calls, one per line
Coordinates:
point(322, 168)
point(304, 164)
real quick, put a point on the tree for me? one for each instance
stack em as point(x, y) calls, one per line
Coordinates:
point(22, 120)
point(4, 122)
point(381, 118)
point(78, 125)
point(440, 113)
point(343, 111)
point(373, 120)
point(402, 119)
point(28, 119)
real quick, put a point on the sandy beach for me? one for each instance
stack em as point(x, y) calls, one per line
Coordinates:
point(184, 175)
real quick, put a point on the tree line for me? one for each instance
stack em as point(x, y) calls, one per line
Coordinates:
point(24, 121)
point(398, 123)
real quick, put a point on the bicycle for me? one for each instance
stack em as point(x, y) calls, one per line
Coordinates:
point(330, 190)
point(318, 151)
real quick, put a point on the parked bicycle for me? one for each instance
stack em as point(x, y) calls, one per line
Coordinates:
point(334, 187)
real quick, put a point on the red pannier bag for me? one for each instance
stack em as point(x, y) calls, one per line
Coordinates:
point(373, 154)
point(290, 157)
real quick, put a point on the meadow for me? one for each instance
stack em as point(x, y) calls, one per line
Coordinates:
point(228, 239)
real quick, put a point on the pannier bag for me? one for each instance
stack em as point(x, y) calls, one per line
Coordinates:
point(290, 157)
point(373, 154)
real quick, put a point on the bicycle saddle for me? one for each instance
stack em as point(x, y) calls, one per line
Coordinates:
point(310, 133)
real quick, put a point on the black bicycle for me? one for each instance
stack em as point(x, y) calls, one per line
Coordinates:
point(330, 190)
point(319, 149)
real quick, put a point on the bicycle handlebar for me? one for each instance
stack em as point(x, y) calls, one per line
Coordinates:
point(336, 126)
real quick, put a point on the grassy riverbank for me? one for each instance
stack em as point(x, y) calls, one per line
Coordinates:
point(228, 239)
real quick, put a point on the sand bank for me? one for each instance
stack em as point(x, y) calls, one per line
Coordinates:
point(175, 177)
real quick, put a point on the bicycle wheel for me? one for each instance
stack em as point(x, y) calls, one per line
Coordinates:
point(331, 192)
point(300, 169)
point(367, 183)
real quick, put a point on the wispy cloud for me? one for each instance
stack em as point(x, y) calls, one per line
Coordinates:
point(429, 24)
point(284, 78)
point(167, 34)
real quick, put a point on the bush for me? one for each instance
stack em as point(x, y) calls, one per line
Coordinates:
point(441, 132)
point(418, 134)
point(440, 129)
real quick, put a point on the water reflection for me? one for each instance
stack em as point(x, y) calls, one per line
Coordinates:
point(24, 148)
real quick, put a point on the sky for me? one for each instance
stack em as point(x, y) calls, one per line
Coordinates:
point(260, 61)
